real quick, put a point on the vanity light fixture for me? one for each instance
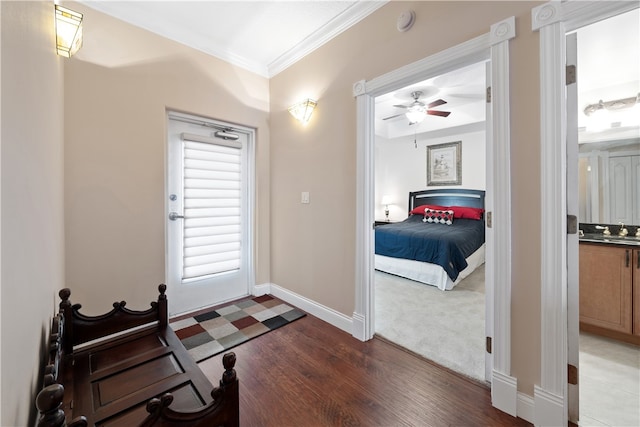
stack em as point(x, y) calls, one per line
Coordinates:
point(615, 105)
point(68, 31)
point(302, 111)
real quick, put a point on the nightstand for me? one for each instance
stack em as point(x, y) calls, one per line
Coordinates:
point(377, 223)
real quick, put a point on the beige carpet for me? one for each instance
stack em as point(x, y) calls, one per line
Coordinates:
point(444, 326)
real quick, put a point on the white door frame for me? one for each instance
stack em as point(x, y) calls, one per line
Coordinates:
point(494, 46)
point(553, 20)
point(247, 270)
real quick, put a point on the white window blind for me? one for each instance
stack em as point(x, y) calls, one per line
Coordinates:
point(212, 202)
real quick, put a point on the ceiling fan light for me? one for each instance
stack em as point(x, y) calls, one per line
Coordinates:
point(415, 115)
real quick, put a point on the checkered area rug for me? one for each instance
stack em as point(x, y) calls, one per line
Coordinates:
point(213, 332)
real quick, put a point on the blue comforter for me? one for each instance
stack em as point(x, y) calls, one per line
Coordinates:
point(444, 245)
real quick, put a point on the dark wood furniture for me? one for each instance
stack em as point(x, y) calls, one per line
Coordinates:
point(141, 376)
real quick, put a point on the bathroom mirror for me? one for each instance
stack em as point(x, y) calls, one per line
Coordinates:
point(609, 182)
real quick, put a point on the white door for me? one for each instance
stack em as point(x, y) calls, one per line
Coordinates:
point(573, 335)
point(489, 275)
point(208, 206)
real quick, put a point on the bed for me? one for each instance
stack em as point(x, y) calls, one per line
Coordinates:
point(440, 243)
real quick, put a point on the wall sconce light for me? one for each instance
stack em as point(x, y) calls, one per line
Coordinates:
point(302, 111)
point(68, 31)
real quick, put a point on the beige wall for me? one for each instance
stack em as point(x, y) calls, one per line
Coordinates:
point(312, 246)
point(32, 200)
point(117, 90)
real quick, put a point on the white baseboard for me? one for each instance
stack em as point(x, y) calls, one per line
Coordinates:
point(549, 408)
point(525, 407)
point(504, 393)
point(358, 329)
point(262, 289)
point(320, 311)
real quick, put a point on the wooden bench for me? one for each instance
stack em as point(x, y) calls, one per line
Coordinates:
point(128, 368)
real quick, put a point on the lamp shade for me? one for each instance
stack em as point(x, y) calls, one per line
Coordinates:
point(302, 111)
point(387, 200)
point(68, 31)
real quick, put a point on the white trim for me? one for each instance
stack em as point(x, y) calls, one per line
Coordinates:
point(504, 393)
point(320, 311)
point(549, 408)
point(525, 407)
point(499, 190)
point(553, 235)
point(365, 291)
point(471, 51)
point(494, 46)
point(554, 20)
point(356, 13)
point(261, 289)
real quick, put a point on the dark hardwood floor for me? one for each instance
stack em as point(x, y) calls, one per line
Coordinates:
point(309, 373)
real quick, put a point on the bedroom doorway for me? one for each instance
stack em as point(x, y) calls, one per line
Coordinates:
point(494, 47)
point(407, 297)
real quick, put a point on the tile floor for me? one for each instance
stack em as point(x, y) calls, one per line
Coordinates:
point(609, 382)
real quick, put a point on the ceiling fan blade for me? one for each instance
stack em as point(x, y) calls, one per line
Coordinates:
point(436, 103)
point(393, 117)
point(401, 106)
point(438, 113)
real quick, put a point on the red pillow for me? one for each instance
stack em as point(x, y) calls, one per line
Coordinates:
point(467, 212)
point(420, 209)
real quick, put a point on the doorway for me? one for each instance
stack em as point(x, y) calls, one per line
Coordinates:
point(493, 46)
point(608, 140)
point(555, 400)
point(208, 203)
point(405, 300)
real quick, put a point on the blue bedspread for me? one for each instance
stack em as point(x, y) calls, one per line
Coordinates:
point(444, 245)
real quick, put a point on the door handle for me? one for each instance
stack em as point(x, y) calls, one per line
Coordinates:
point(175, 215)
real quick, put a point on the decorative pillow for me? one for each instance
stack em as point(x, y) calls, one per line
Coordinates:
point(438, 216)
point(420, 209)
point(467, 212)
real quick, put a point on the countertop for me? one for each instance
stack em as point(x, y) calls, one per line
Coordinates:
point(611, 240)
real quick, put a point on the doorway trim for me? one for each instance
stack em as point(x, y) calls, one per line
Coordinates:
point(554, 20)
point(494, 46)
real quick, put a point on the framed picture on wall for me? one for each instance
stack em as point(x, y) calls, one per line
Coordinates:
point(444, 164)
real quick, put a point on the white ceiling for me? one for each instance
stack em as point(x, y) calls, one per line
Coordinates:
point(264, 37)
point(268, 36)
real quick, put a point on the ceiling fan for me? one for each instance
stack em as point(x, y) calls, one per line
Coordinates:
point(417, 110)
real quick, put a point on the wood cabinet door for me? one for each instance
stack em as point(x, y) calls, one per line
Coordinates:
point(605, 287)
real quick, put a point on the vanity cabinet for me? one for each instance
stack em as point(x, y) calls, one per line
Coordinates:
point(610, 287)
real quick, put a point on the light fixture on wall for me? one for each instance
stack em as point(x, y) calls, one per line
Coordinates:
point(302, 111)
point(619, 112)
point(68, 31)
point(386, 201)
point(615, 105)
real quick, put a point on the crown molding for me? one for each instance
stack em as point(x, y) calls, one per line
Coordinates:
point(336, 26)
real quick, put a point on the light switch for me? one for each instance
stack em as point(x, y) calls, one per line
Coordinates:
point(305, 197)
